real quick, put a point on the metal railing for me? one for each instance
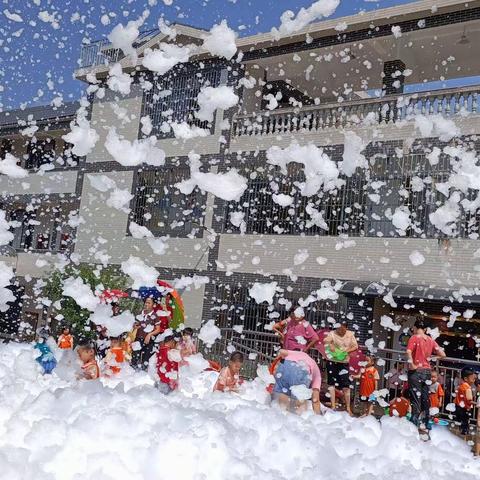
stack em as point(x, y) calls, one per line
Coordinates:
point(260, 348)
point(101, 52)
point(385, 110)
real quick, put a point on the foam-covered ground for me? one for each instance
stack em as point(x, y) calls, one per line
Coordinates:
point(57, 428)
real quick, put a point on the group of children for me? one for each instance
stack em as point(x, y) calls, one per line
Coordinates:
point(400, 406)
point(173, 353)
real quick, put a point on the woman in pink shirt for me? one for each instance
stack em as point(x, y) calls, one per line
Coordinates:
point(296, 332)
point(297, 380)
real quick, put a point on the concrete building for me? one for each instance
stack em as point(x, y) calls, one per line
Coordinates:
point(368, 74)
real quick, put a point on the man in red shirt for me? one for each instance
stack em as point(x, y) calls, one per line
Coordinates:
point(421, 347)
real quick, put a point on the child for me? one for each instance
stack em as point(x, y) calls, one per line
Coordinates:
point(464, 399)
point(168, 359)
point(115, 356)
point(400, 406)
point(65, 340)
point(90, 370)
point(46, 358)
point(187, 345)
point(229, 379)
point(437, 394)
point(369, 378)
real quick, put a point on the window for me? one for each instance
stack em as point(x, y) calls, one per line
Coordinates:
point(40, 153)
point(409, 181)
point(45, 228)
point(342, 211)
point(244, 310)
point(173, 98)
point(6, 146)
point(163, 209)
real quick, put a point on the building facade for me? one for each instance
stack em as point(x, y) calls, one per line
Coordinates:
point(369, 76)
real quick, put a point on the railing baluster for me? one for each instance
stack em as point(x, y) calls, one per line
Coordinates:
point(387, 110)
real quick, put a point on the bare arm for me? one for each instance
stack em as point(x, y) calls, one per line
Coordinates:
point(278, 328)
point(411, 365)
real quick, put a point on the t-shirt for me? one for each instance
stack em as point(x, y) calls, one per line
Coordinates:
point(295, 332)
point(345, 343)
point(90, 370)
point(422, 348)
point(436, 392)
point(368, 379)
point(115, 355)
point(399, 407)
point(149, 321)
point(65, 342)
point(167, 368)
point(309, 363)
point(461, 399)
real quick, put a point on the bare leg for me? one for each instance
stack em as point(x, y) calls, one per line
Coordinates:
point(300, 407)
point(331, 391)
point(284, 401)
point(346, 396)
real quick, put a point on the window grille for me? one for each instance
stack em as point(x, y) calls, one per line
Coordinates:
point(399, 190)
point(342, 210)
point(164, 210)
point(234, 306)
point(357, 208)
point(173, 98)
point(40, 153)
point(45, 229)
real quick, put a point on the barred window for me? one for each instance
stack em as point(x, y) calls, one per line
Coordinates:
point(244, 310)
point(173, 98)
point(164, 210)
point(40, 153)
point(342, 211)
point(362, 207)
point(401, 180)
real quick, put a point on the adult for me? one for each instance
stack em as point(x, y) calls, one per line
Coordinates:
point(151, 322)
point(339, 343)
point(297, 374)
point(296, 333)
point(421, 347)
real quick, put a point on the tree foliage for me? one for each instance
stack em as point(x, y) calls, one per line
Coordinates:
point(64, 311)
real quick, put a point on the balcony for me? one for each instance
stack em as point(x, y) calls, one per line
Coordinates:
point(102, 51)
point(380, 111)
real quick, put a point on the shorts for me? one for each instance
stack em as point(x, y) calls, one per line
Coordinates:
point(338, 375)
point(290, 374)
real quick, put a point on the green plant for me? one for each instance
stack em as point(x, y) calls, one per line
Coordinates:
point(64, 311)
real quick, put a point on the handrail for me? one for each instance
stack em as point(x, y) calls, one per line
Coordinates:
point(363, 101)
point(264, 336)
point(385, 110)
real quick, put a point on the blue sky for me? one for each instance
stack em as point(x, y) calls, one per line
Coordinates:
point(37, 60)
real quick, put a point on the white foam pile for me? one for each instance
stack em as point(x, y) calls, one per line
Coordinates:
point(53, 427)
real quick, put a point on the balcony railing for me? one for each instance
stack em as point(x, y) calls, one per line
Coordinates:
point(385, 110)
point(102, 51)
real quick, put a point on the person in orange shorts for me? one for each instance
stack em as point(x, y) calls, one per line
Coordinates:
point(369, 378)
point(400, 406)
point(90, 369)
point(65, 340)
point(114, 357)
